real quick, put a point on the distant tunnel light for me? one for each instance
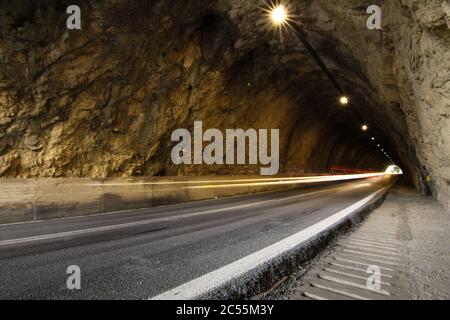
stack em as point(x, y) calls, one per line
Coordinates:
point(344, 100)
point(393, 169)
point(365, 127)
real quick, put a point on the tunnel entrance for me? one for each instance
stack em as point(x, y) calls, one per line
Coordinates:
point(394, 169)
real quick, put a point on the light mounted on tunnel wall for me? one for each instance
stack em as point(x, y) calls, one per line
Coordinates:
point(279, 15)
point(278, 18)
point(344, 100)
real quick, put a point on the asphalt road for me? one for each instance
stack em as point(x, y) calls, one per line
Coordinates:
point(142, 253)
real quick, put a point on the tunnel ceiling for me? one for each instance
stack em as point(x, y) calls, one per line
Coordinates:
point(103, 101)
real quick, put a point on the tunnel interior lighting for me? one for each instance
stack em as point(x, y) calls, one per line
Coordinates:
point(279, 15)
point(373, 139)
point(365, 127)
point(344, 100)
point(288, 181)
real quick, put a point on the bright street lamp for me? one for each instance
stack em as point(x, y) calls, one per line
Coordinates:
point(281, 18)
point(344, 100)
point(279, 15)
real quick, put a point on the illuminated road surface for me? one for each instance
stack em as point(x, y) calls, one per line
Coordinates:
point(143, 253)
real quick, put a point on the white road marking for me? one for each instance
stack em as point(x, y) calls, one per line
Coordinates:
point(341, 292)
point(371, 249)
point(207, 283)
point(372, 244)
point(391, 256)
point(358, 269)
point(353, 284)
point(337, 258)
point(391, 230)
point(351, 275)
point(376, 240)
point(150, 221)
point(390, 236)
point(314, 297)
point(372, 261)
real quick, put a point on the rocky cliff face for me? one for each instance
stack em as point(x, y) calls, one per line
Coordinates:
point(421, 33)
point(103, 101)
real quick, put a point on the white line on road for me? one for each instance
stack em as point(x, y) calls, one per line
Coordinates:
point(150, 221)
point(216, 279)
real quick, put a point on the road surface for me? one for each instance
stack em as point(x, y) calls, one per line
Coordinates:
point(143, 253)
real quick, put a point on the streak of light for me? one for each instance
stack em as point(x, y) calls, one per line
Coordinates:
point(298, 181)
point(247, 182)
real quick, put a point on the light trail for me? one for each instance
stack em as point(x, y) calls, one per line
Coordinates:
point(251, 182)
point(207, 283)
point(296, 181)
point(153, 221)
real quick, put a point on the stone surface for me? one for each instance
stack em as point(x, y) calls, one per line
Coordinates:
point(103, 101)
point(406, 237)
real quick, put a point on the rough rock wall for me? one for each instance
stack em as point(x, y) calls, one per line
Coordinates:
point(422, 69)
point(103, 101)
point(406, 69)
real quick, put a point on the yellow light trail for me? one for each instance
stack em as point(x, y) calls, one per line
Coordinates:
point(296, 181)
point(251, 182)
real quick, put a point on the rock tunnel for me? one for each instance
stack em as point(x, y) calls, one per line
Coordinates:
point(103, 101)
